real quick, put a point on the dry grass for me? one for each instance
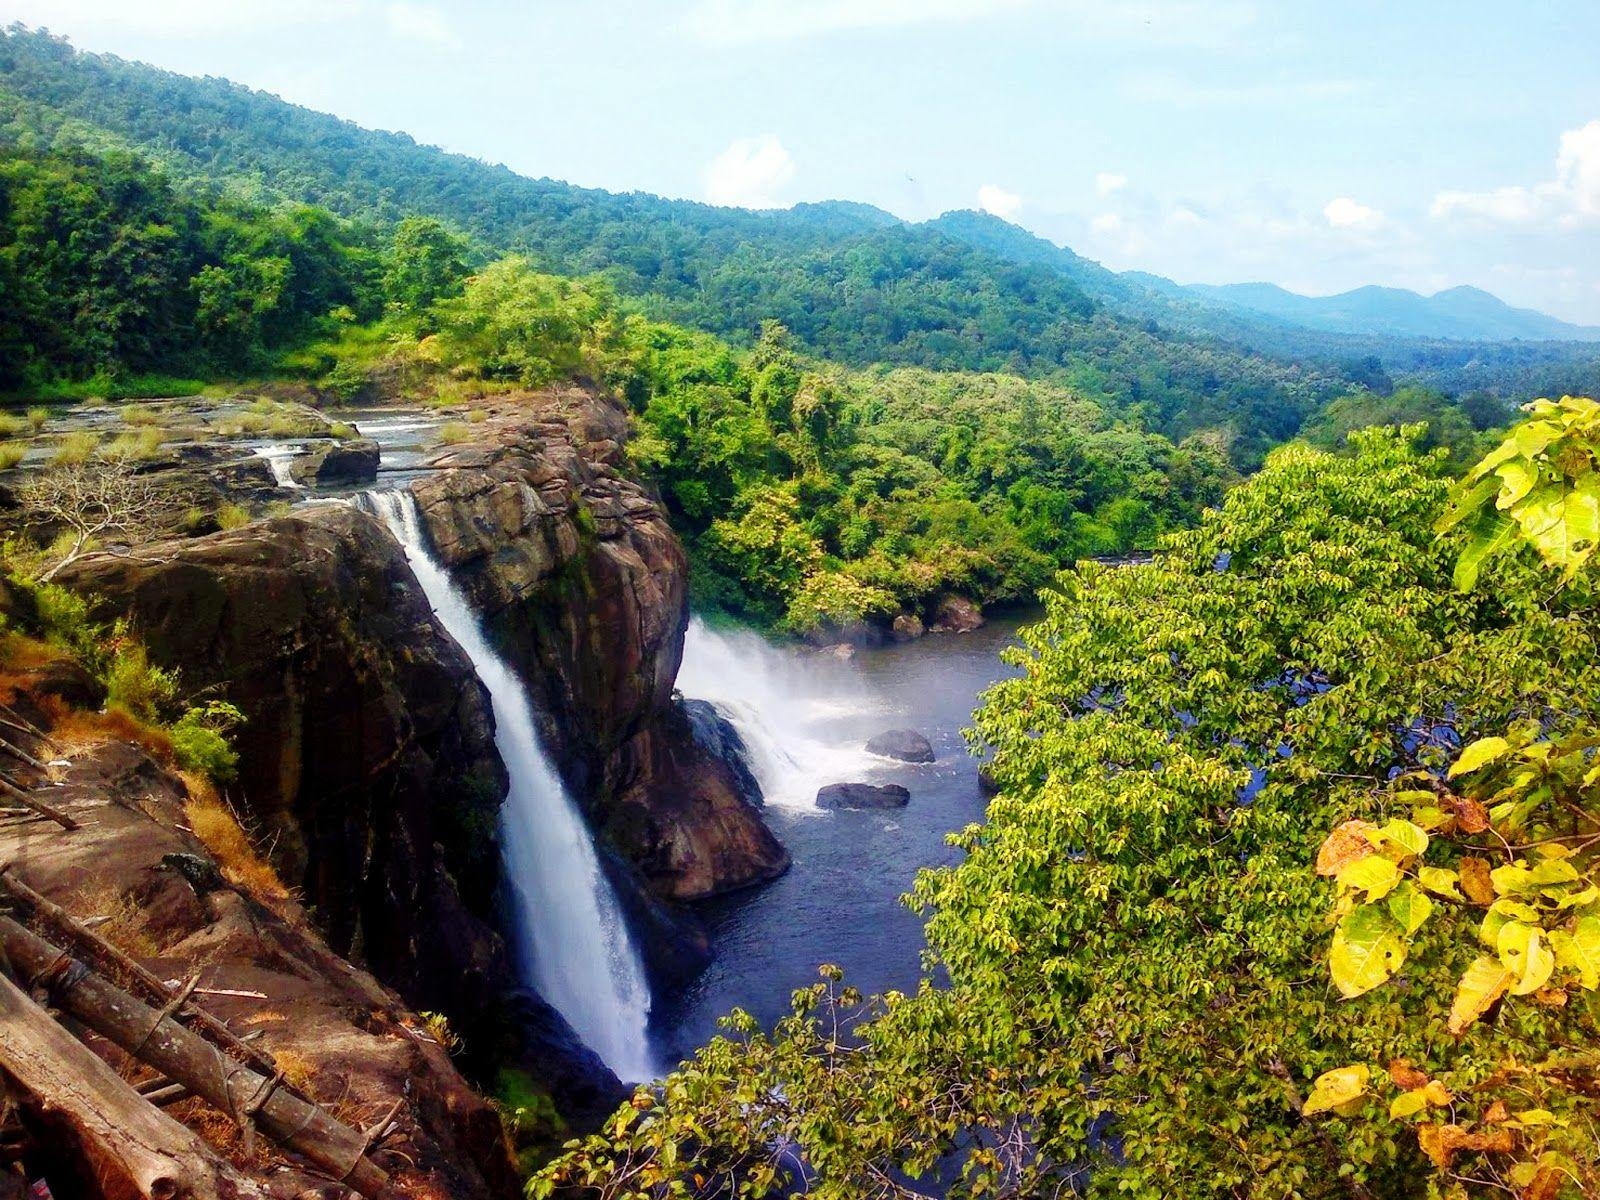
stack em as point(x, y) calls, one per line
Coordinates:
point(124, 924)
point(298, 1070)
point(217, 826)
point(78, 732)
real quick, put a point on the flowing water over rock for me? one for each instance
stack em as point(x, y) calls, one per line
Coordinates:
point(806, 719)
point(572, 942)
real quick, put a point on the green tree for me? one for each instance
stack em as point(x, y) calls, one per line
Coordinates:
point(425, 263)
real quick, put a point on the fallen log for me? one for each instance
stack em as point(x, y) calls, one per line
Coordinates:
point(75, 930)
point(155, 1039)
point(38, 806)
point(129, 1142)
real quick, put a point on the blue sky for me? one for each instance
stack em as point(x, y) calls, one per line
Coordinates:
point(1316, 145)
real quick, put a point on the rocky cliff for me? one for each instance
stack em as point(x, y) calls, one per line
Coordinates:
point(583, 586)
point(368, 764)
point(367, 754)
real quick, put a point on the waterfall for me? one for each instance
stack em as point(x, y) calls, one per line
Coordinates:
point(279, 457)
point(795, 713)
point(572, 941)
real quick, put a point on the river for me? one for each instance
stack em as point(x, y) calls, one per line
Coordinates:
point(806, 718)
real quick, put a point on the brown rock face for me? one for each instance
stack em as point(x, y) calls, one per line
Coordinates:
point(583, 586)
point(367, 756)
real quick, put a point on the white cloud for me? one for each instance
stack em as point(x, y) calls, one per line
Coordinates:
point(730, 22)
point(1572, 198)
point(420, 23)
point(993, 198)
point(1107, 182)
point(1345, 213)
point(750, 173)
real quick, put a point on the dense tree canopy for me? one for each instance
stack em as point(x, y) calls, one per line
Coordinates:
point(1137, 1001)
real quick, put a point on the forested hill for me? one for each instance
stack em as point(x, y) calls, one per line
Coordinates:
point(850, 284)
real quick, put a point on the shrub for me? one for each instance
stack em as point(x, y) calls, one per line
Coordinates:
point(136, 447)
point(140, 414)
point(11, 426)
point(11, 453)
point(232, 516)
point(200, 741)
point(37, 418)
point(453, 432)
point(137, 685)
point(75, 449)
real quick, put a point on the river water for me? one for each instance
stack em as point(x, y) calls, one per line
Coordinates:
point(806, 719)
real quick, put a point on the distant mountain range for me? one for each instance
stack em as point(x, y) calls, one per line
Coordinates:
point(852, 281)
point(1457, 314)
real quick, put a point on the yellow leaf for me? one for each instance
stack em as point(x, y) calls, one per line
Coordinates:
point(1479, 755)
point(1336, 1088)
point(1437, 1094)
point(1523, 951)
point(1405, 838)
point(1407, 1104)
point(1367, 950)
point(1374, 875)
point(1579, 951)
point(1344, 846)
point(1439, 881)
point(1484, 982)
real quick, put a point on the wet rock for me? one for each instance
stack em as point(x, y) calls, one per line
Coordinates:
point(908, 627)
point(907, 745)
point(333, 463)
point(956, 614)
point(863, 795)
point(717, 735)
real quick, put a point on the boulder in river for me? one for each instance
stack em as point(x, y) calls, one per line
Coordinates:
point(863, 795)
point(353, 461)
point(907, 745)
point(907, 627)
point(956, 614)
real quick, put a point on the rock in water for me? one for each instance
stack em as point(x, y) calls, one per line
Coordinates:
point(354, 461)
point(863, 795)
point(718, 736)
point(907, 627)
point(907, 745)
point(957, 614)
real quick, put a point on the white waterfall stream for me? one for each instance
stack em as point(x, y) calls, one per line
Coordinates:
point(572, 941)
point(788, 709)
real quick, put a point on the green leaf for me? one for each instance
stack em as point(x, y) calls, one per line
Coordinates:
point(1367, 950)
point(1480, 754)
point(1374, 875)
point(1409, 907)
point(1336, 1088)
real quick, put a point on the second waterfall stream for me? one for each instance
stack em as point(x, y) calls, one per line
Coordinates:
point(572, 941)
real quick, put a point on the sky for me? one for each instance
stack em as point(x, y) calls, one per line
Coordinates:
point(1317, 145)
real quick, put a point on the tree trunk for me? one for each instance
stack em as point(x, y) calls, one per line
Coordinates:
point(136, 1149)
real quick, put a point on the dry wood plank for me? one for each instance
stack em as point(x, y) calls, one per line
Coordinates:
point(130, 1141)
point(185, 1057)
